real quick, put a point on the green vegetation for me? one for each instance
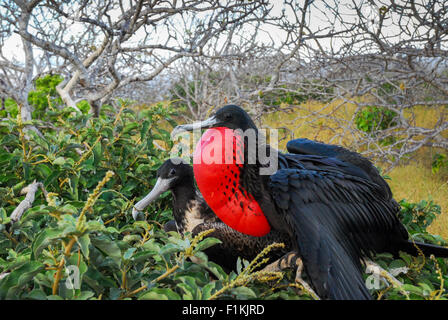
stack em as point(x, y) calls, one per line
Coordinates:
point(44, 94)
point(371, 119)
point(439, 161)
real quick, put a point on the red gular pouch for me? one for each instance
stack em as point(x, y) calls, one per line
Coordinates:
point(217, 161)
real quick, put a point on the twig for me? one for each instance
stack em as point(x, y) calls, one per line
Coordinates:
point(26, 203)
point(58, 275)
point(3, 274)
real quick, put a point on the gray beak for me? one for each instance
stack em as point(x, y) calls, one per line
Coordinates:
point(209, 123)
point(161, 186)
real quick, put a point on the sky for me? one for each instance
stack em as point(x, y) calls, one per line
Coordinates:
point(14, 44)
point(316, 21)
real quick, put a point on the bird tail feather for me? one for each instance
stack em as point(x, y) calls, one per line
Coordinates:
point(417, 248)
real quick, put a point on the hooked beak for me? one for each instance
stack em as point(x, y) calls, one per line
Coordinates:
point(161, 186)
point(206, 124)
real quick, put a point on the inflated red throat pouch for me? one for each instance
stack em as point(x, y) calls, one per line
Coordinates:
point(217, 161)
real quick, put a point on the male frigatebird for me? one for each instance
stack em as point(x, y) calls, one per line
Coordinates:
point(192, 214)
point(335, 211)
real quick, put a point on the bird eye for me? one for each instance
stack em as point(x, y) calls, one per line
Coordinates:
point(228, 116)
point(172, 172)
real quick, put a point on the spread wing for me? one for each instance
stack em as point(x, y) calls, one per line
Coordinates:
point(336, 219)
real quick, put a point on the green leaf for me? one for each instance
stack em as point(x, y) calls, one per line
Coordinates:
point(397, 264)
point(68, 208)
point(37, 294)
point(170, 248)
point(244, 293)
point(413, 289)
point(43, 239)
point(12, 285)
point(132, 238)
point(128, 254)
point(44, 170)
point(59, 161)
point(109, 248)
point(94, 225)
point(207, 243)
point(207, 290)
point(84, 242)
point(85, 295)
point(144, 129)
point(217, 271)
point(74, 186)
point(129, 127)
point(4, 219)
point(97, 154)
point(190, 288)
point(160, 294)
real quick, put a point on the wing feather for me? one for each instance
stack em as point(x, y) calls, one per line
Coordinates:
point(336, 219)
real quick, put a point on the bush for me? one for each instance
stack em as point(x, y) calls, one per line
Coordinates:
point(417, 217)
point(372, 118)
point(439, 161)
point(11, 109)
point(44, 94)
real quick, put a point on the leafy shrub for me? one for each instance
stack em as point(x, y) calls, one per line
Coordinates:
point(10, 108)
point(44, 93)
point(439, 161)
point(372, 118)
point(417, 217)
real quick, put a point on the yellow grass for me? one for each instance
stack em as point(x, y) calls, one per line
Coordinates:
point(413, 181)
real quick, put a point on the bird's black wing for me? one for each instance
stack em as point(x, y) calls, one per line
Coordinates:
point(336, 219)
point(359, 165)
point(306, 146)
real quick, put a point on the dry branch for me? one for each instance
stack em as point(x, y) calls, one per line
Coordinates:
point(3, 274)
point(26, 203)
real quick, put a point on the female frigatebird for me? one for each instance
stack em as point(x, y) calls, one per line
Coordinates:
point(335, 211)
point(192, 214)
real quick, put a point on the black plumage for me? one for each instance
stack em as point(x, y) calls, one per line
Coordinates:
point(332, 203)
point(310, 147)
point(192, 214)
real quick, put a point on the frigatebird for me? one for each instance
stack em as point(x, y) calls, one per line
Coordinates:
point(192, 214)
point(335, 211)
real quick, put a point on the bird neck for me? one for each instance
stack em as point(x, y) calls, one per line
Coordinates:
point(256, 157)
point(183, 194)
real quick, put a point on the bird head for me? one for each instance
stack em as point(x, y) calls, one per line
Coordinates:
point(229, 116)
point(170, 174)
